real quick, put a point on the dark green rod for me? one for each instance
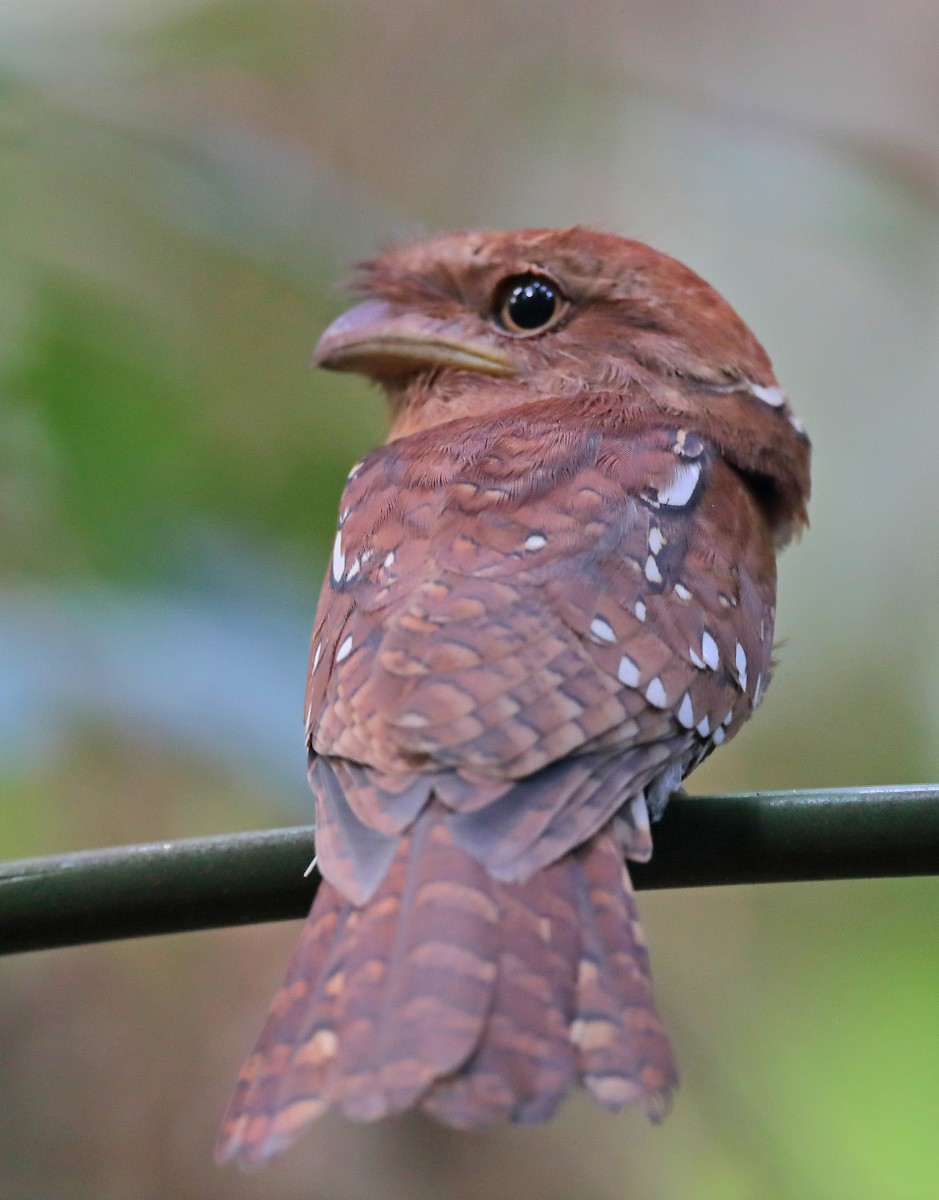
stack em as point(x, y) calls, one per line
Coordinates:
point(237, 879)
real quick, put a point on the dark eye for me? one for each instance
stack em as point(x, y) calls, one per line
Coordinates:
point(527, 303)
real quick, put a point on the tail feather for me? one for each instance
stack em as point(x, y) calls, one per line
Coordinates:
point(525, 1063)
point(420, 977)
point(479, 1000)
point(624, 1052)
point(281, 1086)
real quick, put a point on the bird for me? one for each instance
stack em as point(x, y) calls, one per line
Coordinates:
point(550, 596)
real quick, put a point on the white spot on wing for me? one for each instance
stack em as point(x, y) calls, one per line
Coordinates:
point(655, 693)
point(758, 691)
point(681, 487)
point(389, 560)
point(640, 610)
point(653, 574)
point(686, 712)
point(354, 568)
point(354, 470)
point(775, 397)
point(696, 658)
point(345, 649)
point(535, 541)
point(628, 672)
point(682, 592)
point(797, 426)
point(688, 445)
point(412, 720)
point(703, 726)
point(317, 655)
point(717, 736)
point(339, 558)
point(602, 630)
point(639, 813)
point(740, 661)
point(344, 515)
point(656, 541)
point(709, 651)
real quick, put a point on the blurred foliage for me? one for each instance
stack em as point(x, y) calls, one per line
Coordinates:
point(182, 184)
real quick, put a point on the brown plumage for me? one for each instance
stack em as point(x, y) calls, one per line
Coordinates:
point(551, 596)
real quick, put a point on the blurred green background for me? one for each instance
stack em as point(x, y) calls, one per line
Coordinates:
point(181, 185)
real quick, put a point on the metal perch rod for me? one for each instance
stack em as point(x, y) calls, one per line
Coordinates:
point(237, 879)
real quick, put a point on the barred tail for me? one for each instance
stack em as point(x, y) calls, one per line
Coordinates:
point(478, 1000)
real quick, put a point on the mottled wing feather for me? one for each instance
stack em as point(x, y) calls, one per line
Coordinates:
point(561, 806)
point(538, 593)
point(352, 853)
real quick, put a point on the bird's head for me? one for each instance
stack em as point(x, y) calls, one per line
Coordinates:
point(603, 328)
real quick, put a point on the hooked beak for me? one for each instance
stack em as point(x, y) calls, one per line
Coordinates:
point(381, 341)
